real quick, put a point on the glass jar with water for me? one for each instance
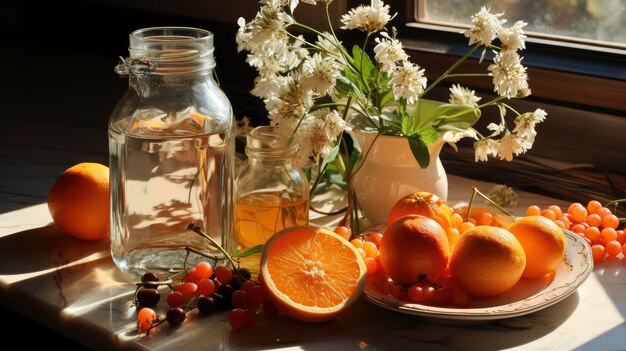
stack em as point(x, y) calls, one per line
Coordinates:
point(171, 147)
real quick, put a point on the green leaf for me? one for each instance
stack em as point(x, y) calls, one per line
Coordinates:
point(354, 157)
point(464, 121)
point(331, 157)
point(385, 99)
point(419, 150)
point(354, 78)
point(390, 130)
point(249, 252)
point(408, 124)
point(344, 86)
point(429, 135)
point(463, 116)
point(363, 62)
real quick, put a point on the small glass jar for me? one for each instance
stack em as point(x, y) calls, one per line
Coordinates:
point(171, 149)
point(271, 193)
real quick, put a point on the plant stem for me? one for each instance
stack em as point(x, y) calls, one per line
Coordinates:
point(328, 104)
point(307, 28)
point(198, 231)
point(512, 109)
point(489, 103)
point(493, 203)
point(296, 129)
point(471, 202)
point(615, 202)
point(332, 31)
point(452, 68)
point(461, 75)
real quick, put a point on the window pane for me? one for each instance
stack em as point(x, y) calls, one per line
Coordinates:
point(597, 20)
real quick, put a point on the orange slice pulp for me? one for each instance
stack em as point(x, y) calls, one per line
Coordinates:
point(312, 274)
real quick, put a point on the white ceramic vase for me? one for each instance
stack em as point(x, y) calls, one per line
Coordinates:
point(390, 172)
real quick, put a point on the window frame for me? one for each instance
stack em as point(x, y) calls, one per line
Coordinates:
point(595, 77)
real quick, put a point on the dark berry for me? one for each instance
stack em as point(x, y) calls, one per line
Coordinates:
point(245, 273)
point(236, 281)
point(226, 290)
point(148, 297)
point(219, 300)
point(175, 316)
point(149, 277)
point(207, 304)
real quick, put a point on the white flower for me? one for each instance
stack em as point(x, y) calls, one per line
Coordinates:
point(289, 105)
point(486, 27)
point(453, 136)
point(267, 86)
point(317, 135)
point(272, 50)
point(483, 148)
point(367, 18)
point(329, 45)
point(525, 124)
point(387, 52)
point(268, 24)
point(324, 132)
point(510, 144)
point(513, 38)
point(497, 129)
point(243, 38)
point(297, 52)
point(463, 96)
point(509, 76)
point(334, 124)
point(319, 73)
point(408, 82)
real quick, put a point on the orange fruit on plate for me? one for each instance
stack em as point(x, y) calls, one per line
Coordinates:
point(312, 274)
point(487, 261)
point(543, 242)
point(425, 204)
point(414, 246)
point(79, 201)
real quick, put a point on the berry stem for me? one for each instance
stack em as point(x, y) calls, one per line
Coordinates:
point(198, 231)
point(475, 192)
point(153, 284)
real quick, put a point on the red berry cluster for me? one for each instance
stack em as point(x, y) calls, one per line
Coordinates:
point(208, 290)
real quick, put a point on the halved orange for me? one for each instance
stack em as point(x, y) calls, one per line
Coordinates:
point(312, 274)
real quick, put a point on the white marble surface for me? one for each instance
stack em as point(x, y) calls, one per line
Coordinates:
point(73, 287)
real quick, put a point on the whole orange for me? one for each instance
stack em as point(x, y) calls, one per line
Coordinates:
point(414, 246)
point(543, 242)
point(425, 204)
point(79, 201)
point(487, 261)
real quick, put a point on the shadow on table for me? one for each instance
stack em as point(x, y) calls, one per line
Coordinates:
point(44, 248)
point(369, 327)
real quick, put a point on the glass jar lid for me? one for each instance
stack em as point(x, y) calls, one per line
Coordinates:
point(168, 50)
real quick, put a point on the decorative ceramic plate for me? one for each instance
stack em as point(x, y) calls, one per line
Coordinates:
point(527, 296)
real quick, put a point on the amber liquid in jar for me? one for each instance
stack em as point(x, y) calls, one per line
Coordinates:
point(260, 215)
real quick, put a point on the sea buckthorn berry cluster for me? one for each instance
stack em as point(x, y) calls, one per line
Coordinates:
point(368, 249)
point(594, 222)
point(206, 289)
